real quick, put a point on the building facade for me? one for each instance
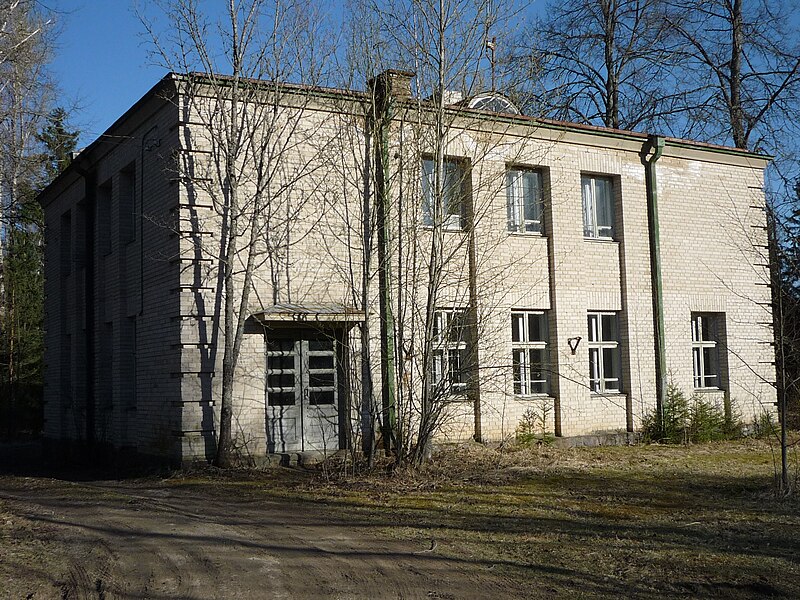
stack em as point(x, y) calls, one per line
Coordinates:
point(529, 268)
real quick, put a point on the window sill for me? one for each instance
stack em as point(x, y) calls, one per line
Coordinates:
point(707, 390)
point(533, 234)
point(601, 240)
point(612, 394)
point(444, 229)
point(542, 396)
point(456, 397)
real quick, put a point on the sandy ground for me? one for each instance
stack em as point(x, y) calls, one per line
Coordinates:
point(112, 539)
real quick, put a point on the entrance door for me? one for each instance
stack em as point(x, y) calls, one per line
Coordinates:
point(302, 394)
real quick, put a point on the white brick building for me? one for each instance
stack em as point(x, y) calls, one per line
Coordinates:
point(550, 228)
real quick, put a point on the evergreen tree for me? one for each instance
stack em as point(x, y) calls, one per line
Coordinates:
point(59, 143)
point(21, 318)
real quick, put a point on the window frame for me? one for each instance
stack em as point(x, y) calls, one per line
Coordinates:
point(592, 230)
point(518, 202)
point(521, 368)
point(598, 378)
point(449, 350)
point(700, 344)
point(451, 220)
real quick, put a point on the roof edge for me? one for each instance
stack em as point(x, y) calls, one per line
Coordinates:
point(84, 157)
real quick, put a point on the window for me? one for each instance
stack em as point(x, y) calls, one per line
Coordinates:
point(598, 206)
point(529, 352)
point(66, 244)
point(705, 353)
point(451, 351)
point(450, 210)
point(495, 103)
point(127, 204)
point(604, 360)
point(525, 200)
point(103, 224)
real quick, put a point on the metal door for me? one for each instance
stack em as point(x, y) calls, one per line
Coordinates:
point(302, 394)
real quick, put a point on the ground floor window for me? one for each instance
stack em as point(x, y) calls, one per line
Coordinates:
point(604, 353)
point(529, 355)
point(705, 350)
point(451, 351)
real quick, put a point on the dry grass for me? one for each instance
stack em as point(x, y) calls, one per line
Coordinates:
point(680, 521)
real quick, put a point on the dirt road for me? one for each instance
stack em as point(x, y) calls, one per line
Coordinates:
point(104, 540)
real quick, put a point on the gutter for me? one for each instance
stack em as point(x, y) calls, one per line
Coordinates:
point(651, 152)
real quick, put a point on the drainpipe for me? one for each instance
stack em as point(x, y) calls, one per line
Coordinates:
point(382, 109)
point(654, 147)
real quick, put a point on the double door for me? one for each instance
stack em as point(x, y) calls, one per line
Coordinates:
point(302, 393)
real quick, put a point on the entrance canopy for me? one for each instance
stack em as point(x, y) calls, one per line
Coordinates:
point(310, 313)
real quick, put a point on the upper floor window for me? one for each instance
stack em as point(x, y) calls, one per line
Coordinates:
point(604, 353)
point(598, 206)
point(705, 352)
point(529, 356)
point(525, 200)
point(450, 351)
point(448, 209)
point(127, 204)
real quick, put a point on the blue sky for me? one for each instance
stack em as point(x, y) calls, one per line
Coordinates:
point(100, 62)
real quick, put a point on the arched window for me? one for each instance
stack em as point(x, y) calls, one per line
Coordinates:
point(493, 102)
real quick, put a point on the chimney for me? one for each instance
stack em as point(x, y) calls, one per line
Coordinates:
point(392, 83)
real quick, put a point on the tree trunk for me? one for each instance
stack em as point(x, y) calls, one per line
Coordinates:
point(612, 84)
point(738, 125)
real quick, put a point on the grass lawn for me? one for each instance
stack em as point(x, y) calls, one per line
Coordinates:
point(635, 522)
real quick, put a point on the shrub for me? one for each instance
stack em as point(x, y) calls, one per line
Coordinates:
point(673, 428)
point(697, 420)
point(710, 423)
point(763, 426)
point(532, 427)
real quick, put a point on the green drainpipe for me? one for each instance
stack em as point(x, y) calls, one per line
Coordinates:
point(655, 144)
point(383, 113)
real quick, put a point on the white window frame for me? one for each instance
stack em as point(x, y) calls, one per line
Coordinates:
point(523, 349)
point(450, 352)
point(601, 382)
point(525, 198)
point(705, 369)
point(597, 196)
point(453, 214)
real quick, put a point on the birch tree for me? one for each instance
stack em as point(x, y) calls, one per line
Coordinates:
point(249, 129)
point(26, 94)
point(426, 205)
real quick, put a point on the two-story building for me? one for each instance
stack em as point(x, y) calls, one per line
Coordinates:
point(528, 266)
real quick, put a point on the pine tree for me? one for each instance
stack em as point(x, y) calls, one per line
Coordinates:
point(21, 320)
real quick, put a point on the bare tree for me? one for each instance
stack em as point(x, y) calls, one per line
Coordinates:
point(430, 193)
point(603, 62)
point(244, 157)
point(740, 68)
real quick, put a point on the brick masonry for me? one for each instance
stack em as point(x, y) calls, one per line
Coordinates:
point(134, 306)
